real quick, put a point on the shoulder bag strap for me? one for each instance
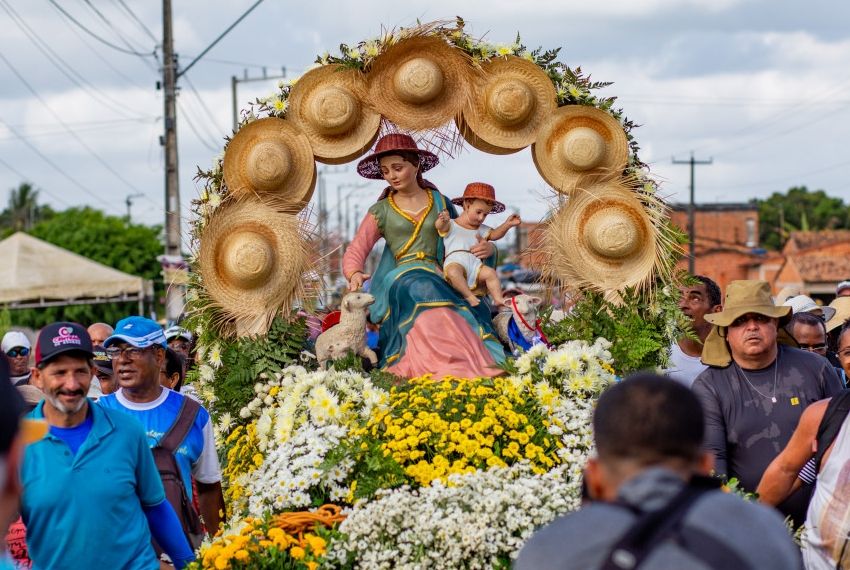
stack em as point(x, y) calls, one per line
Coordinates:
point(181, 426)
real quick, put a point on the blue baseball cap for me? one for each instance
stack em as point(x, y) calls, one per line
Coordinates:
point(137, 331)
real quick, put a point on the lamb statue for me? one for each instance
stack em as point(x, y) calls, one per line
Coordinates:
point(520, 328)
point(349, 334)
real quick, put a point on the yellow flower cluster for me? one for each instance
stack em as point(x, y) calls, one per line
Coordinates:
point(257, 546)
point(434, 429)
point(243, 457)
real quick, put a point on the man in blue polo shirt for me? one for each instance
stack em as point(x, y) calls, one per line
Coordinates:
point(137, 348)
point(91, 489)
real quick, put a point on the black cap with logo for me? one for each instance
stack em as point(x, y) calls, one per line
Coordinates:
point(61, 338)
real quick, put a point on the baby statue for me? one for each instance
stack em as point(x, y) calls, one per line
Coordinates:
point(463, 270)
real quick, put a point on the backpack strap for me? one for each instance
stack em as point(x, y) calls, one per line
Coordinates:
point(830, 425)
point(654, 527)
point(182, 424)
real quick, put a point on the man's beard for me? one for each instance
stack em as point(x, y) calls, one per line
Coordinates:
point(53, 398)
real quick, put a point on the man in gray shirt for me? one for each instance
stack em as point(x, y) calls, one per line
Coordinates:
point(648, 481)
point(755, 390)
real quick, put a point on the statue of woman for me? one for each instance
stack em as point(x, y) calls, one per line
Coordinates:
point(426, 326)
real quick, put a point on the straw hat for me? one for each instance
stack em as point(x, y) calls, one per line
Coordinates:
point(481, 191)
point(477, 142)
point(370, 167)
point(272, 159)
point(251, 261)
point(577, 141)
point(742, 297)
point(420, 83)
point(603, 238)
point(510, 103)
point(805, 304)
point(842, 313)
point(326, 104)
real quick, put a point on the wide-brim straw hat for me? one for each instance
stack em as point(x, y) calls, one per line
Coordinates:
point(510, 103)
point(420, 83)
point(604, 239)
point(327, 105)
point(578, 141)
point(805, 304)
point(370, 167)
point(480, 191)
point(477, 142)
point(841, 305)
point(251, 262)
point(742, 297)
point(271, 159)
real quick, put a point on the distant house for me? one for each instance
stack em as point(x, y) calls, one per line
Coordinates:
point(814, 262)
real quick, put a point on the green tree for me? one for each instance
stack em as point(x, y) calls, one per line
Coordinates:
point(799, 209)
point(23, 210)
point(110, 240)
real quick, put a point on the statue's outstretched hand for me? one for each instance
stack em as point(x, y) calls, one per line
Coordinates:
point(357, 279)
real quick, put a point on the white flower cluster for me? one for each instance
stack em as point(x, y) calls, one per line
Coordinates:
point(573, 367)
point(474, 521)
point(293, 469)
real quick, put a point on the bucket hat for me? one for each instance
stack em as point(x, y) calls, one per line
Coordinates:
point(805, 304)
point(370, 167)
point(481, 191)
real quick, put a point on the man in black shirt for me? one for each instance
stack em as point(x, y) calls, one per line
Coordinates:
point(755, 389)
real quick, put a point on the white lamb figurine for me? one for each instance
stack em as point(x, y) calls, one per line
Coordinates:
point(349, 334)
point(524, 314)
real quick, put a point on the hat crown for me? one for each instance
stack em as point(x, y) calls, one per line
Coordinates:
point(395, 141)
point(480, 190)
point(583, 148)
point(748, 294)
point(612, 233)
point(267, 164)
point(333, 110)
point(247, 258)
point(510, 101)
point(418, 80)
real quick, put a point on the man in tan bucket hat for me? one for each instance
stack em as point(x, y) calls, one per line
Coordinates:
point(756, 387)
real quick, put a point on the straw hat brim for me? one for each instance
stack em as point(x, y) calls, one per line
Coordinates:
point(841, 305)
point(251, 262)
point(476, 142)
point(454, 67)
point(328, 146)
point(611, 215)
point(728, 315)
point(547, 151)
point(286, 188)
point(496, 206)
point(543, 101)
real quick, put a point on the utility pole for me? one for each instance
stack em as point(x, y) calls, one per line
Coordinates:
point(691, 208)
point(234, 84)
point(173, 295)
point(129, 202)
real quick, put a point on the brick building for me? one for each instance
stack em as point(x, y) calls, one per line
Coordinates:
point(814, 262)
point(726, 244)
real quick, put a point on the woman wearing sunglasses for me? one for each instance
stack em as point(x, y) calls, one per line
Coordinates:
point(16, 346)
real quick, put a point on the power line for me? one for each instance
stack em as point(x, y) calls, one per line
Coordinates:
point(63, 66)
point(95, 36)
point(194, 129)
point(221, 35)
point(56, 167)
point(24, 177)
point(210, 116)
point(67, 128)
point(138, 21)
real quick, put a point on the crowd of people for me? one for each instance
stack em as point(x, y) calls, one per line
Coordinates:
point(756, 397)
point(126, 454)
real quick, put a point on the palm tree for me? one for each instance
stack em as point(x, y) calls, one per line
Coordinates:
point(22, 210)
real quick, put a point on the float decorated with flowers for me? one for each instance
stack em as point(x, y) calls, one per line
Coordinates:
point(333, 465)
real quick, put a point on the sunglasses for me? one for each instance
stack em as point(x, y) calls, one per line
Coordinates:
point(813, 347)
point(18, 351)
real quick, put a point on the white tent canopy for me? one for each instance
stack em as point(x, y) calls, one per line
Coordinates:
point(34, 273)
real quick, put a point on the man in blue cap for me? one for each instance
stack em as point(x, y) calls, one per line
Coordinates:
point(91, 491)
point(137, 348)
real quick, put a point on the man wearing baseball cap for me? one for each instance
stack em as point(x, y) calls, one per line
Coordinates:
point(137, 348)
point(92, 479)
point(16, 346)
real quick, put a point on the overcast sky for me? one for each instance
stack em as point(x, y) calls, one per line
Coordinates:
point(761, 87)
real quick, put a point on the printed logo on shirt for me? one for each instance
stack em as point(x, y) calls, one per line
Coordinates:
point(66, 336)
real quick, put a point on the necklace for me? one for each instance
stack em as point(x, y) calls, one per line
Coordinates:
point(775, 376)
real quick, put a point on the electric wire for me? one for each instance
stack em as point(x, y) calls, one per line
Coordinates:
point(95, 36)
point(209, 146)
point(63, 66)
point(70, 131)
point(212, 120)
point(24, 177)
point(138, 20)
